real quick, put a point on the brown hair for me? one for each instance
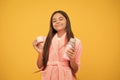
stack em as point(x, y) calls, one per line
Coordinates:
point(50, 35)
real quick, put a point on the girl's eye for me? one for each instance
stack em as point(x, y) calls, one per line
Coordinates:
point(60, 19)
point(54, 21)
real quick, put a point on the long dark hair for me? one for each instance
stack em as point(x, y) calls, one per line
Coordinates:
point(50, 35)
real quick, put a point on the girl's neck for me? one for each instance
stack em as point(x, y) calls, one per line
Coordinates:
point(60, 33)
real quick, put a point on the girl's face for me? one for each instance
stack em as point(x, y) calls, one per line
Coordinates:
point(59, 22)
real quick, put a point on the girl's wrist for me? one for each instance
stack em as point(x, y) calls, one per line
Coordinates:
point(72, 59)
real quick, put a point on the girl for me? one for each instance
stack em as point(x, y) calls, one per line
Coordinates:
point(52, 48)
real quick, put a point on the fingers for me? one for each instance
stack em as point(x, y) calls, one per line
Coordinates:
point(38, 46)
point(35, 43)
point(71, 53)
point(71, 50)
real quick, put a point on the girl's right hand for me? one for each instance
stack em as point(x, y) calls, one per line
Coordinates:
point(38, 46)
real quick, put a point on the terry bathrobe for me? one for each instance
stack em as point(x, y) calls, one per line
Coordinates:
point(57, 67)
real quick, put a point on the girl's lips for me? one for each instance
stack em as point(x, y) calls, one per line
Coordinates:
point(58, 25)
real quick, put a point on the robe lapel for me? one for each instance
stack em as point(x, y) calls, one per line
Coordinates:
point(58, 43)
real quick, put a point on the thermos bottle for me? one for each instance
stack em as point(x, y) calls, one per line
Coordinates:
point(40, 39)
point(70, 44)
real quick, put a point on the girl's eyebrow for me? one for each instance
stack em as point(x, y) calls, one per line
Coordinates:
point(55, 18)
point(60, 17)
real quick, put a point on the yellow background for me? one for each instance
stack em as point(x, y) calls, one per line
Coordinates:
point(95, 22)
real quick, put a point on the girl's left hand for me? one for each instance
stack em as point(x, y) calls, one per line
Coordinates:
point(71, 53)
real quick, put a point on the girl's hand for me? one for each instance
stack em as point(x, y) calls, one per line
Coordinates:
point(38, 46)
point(71, 53)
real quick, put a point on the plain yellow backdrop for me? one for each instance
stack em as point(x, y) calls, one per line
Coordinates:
point(95, 22)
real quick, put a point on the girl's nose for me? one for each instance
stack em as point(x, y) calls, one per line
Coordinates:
point(57, 21)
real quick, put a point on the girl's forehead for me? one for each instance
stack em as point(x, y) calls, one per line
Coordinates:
point(57, 15)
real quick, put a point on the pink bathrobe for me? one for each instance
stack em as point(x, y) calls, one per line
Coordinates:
point(57, 67)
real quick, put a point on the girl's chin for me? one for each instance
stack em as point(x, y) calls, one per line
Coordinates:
point(59, 30)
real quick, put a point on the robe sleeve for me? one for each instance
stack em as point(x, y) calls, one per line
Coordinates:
point(78, 48)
